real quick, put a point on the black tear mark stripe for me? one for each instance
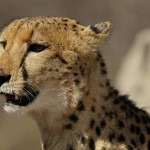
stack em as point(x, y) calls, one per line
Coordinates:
point(24, 73)
point(31, 34)
point(23, 59)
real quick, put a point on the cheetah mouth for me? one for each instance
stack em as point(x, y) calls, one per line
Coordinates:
point(22, 101)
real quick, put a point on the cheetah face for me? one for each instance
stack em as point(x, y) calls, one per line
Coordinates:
point(38, 55)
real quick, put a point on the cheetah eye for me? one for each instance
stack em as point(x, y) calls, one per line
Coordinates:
point(35, 47)
point(3, 43)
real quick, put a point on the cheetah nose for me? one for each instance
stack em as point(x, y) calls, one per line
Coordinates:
point(4, 78)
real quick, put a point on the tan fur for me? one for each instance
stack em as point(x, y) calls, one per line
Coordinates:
point(71, 78)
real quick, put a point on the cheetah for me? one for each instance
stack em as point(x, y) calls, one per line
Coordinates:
point(52, 70)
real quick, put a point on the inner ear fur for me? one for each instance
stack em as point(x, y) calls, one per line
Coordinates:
point(95, 35)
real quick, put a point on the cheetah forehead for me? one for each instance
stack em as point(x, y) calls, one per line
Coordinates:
point(92, 35)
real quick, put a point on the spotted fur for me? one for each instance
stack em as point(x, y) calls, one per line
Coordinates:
point(76, 107)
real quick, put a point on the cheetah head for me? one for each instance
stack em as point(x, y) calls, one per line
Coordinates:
point(45, 61)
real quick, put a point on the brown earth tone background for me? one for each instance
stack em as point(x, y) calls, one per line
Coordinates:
point(127, 16)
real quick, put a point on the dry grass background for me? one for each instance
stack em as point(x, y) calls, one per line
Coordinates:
point(18, 132)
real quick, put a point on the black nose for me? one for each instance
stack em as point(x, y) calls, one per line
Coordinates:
point(4, 78)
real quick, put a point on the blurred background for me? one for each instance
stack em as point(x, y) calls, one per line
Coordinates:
point(129, 19)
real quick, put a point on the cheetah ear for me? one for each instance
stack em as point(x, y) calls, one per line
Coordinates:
point(95, 35)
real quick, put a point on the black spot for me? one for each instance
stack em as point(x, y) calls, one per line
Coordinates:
point(148, 145)
point(25, 73)
point(123, 107)
point(102, 124)
point(64, 19)
point(80, 106)
point(113, 93)
point(116, 101)
point(74, 26)
point(91, 144)
point(111, 137)
point(75, 74)
point(82, 70)
point(135, 129)
point(73, 118)
point(121, 138)
point(107, 83)
point(69, 68)
point(77, 22)
point(133, 143)
point(103, 71)
point(93, 108)
point(77, 82)
point(145, 119)
point(102, 64)
point(68, 126)
point(137, 118)
point(92, 123)
point(147, 129)
point(142, 138)
point(66, 24)
point(83, 140)
point(98, 131)
point(120, 124)
point(111, 115)
point(95, 29)
point(62, 60)
point(132, 128)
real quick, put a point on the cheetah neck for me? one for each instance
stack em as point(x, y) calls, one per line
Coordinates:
point(98, 119)
point(78, 125)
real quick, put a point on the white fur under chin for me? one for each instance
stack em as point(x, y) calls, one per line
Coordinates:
point(51, 99)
